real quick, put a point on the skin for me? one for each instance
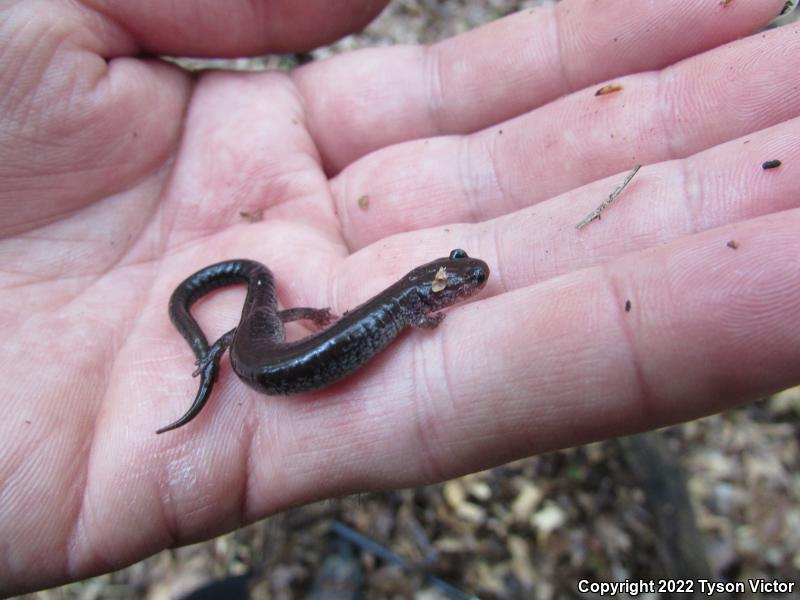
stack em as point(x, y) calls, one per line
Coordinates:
point(120, 177)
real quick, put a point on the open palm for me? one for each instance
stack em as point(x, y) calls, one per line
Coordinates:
point(120, 176)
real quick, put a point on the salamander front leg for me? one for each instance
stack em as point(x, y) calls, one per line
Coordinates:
point(429, 321)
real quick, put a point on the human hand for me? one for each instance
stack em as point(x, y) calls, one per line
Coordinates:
point(120, 179)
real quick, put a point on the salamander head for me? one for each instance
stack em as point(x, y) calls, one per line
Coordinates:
point(445, 281)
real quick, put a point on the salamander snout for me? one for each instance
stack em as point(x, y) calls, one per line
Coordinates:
point(479, 275)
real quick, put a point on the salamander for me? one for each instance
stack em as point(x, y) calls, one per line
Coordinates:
point(264, 360)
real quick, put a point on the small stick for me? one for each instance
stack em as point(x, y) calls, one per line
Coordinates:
point(595, 214)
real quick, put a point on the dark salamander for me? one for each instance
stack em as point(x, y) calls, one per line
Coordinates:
point(265, 361)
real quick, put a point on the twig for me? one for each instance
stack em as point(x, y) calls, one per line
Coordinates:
point(595, 214)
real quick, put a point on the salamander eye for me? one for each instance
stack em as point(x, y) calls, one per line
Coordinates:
point(458, 253)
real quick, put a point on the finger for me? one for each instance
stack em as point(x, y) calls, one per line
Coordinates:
point(77, 127)
point(370, 99)
point(252, 158)
point(208, 28)
point(575, 140)
point(665, 201)
point(555, 365)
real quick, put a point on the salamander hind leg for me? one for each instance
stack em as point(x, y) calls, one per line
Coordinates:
point(208, 365)
point(208, 369)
